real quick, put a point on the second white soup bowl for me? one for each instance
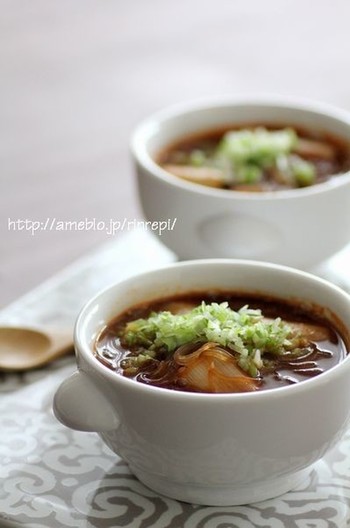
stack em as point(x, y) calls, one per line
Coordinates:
point(297, 227)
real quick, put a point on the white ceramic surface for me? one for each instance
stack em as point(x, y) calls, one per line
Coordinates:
point(218, 449)
point(298, 228)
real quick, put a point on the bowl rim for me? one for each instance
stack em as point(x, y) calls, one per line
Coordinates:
point(84, 349)
point(148, 127)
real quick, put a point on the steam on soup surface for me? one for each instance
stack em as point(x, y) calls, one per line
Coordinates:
point(219, 343)
point(257, 158)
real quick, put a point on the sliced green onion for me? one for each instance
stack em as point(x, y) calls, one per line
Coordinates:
point(260, 146)
point(303, 171)
point(198, 158)
point(246, 332)
point(248, 174)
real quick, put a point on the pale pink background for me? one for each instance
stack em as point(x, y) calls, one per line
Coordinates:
point(76, 76)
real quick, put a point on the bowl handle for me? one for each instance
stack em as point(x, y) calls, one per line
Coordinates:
point(78, 404)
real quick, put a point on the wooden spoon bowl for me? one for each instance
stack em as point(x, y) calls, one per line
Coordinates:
point(24, 348)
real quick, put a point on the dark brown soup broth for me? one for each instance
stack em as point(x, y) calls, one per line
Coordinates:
point(326, 167)
point(321, 356)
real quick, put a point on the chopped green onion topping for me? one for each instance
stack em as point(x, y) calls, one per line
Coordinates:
point(260, 146)
point(197, 158)
point(250, 156)
point(245, 332)
point(249, 174)
point(303, 171)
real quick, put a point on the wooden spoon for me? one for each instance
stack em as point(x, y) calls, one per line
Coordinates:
point(24, 348)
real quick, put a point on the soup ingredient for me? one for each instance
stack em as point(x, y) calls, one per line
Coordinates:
point(256, 159)
point(210, 176)
point(310, 332)
point(210, 368)
point(217, 342)
point(245, 332)
point(250, 151)
point(315, 149)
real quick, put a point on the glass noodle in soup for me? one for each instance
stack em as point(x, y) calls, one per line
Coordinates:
point(220, 343)
point(257, 158)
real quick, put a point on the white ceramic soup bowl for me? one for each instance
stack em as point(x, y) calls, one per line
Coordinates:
point(300, 227)
point(214, 449)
